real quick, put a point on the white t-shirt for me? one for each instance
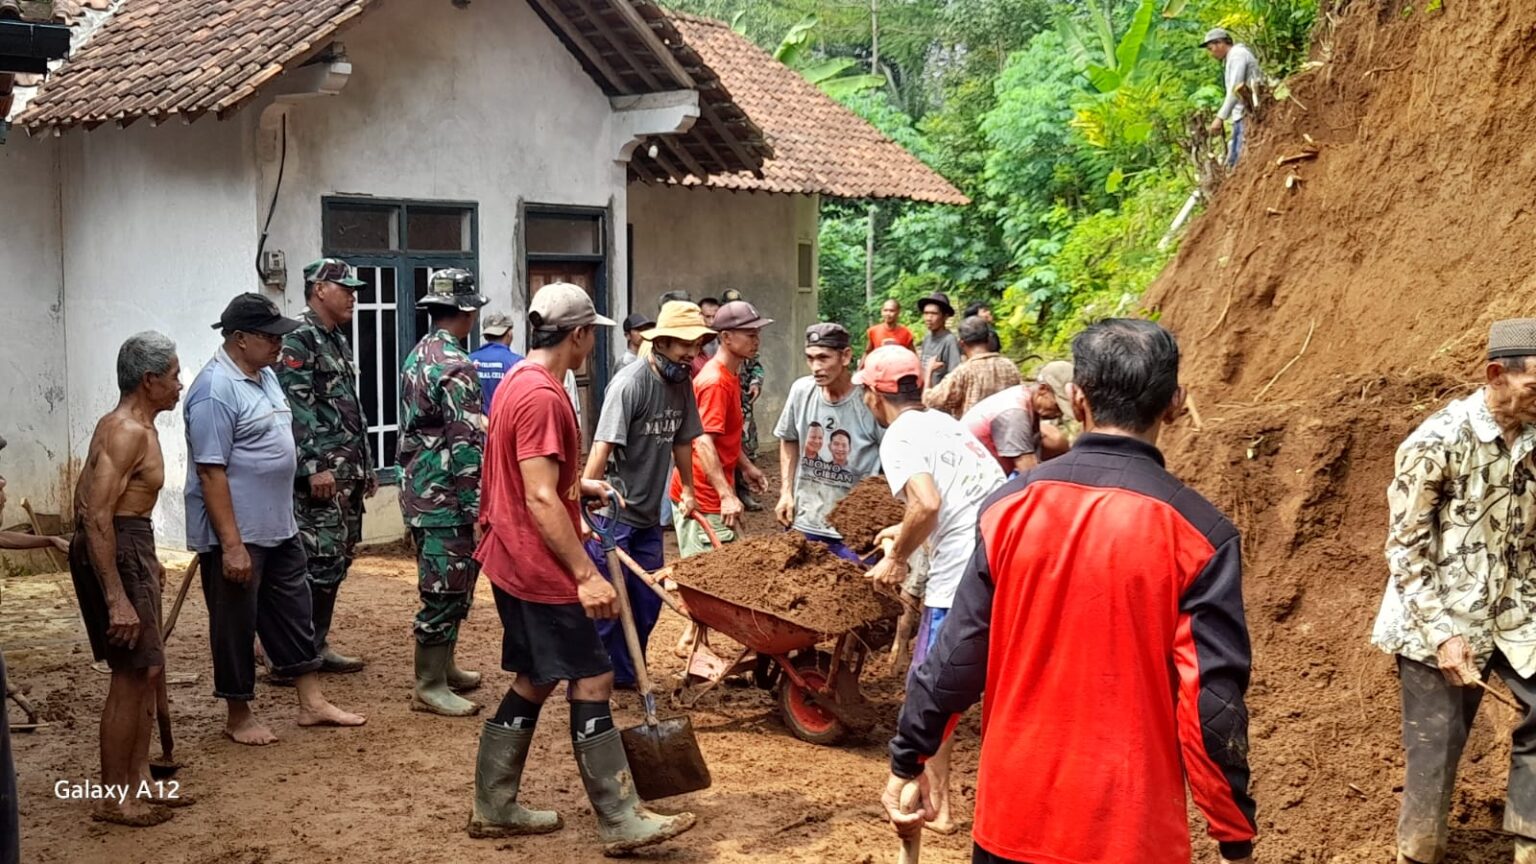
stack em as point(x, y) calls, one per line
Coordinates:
point(934, 443)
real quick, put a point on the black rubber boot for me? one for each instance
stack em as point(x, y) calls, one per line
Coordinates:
point(623, 822)
point(323, 602)
point(498, 774)
point(432, 693)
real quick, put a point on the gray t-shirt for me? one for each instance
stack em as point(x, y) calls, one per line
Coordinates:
point(839, 446)
point(243, 423)
point(944, 346)
point(644, 417)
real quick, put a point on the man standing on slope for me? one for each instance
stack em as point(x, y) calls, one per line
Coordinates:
point(941, 472)
point(548, 591)
point(1099, 564)
point(442, 439)
point(335, 465)
point(1243, 77)
point(824, 403)
point(649, 420)
point(1458, 598)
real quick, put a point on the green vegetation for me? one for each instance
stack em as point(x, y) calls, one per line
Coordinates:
point(1069, 123)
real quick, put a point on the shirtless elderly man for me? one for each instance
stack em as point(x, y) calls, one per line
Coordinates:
point(116, 574)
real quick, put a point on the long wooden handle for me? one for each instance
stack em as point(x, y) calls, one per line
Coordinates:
point(650, 582)
point(181, 596)
point(631, 635)
point(37, 528)
point(911, 847)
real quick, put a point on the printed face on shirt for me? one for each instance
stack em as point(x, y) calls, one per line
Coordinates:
point(842, 443)
point(815, 437)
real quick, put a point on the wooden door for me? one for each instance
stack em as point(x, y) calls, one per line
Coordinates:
point(584, 274)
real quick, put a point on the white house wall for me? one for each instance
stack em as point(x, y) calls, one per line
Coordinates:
point(159, 234)
point(705, 241)
point(34, 419)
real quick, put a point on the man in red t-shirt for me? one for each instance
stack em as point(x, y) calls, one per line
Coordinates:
point(548, 591)
point(716, 453)
point(890, 330)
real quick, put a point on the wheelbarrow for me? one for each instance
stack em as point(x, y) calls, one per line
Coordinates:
point(818, 693)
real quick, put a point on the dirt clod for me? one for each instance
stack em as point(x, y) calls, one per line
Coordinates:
point(791, 577)
point(867, 509)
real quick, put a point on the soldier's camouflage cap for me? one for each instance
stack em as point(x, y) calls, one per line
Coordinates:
point(332, 270)
point(454, 287)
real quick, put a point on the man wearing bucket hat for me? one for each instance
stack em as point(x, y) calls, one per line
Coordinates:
point(442, 437)
point(648, 423)
point(548, 591)
point(716, 453)
point(335, 465)
point(1008, 423)
point(940, 351)
point(1243, 77)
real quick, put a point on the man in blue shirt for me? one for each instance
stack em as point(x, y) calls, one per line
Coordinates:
point(241, 464)
point(495, 358)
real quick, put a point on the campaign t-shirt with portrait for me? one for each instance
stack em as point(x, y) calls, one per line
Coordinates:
point(644, 417)
point(934, 443)
point(839, 446)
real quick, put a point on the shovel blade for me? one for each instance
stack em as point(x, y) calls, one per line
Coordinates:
point(665, 759)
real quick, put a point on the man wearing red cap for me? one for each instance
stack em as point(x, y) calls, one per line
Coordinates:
point(716, 453)
point(942, 473)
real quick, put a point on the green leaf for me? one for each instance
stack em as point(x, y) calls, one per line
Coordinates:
point(1103, 80)
point(840, 88)
point(1129, 50)
point(1137, 133)
point(739, 22)
point(824, 70)
point(797, 42)
point(1175, 8)
point(1113, 182)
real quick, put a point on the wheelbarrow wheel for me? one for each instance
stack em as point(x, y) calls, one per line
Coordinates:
point(808, 720)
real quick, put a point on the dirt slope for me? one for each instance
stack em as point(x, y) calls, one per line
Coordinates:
point(1409, 233)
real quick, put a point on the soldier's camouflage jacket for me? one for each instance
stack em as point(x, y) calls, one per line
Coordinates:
point(442, 434)
point(320, 380)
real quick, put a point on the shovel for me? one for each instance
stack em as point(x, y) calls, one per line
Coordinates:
point(664, 756)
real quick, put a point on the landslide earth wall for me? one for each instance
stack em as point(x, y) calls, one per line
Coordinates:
point(1398, 244)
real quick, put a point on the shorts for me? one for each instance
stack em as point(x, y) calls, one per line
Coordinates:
point(547, 642)
point(139, 571)
point(691, 537)
point(930, 621)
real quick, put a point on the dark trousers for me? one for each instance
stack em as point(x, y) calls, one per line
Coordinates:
point(982, 856)
point(10, 826)
point(275, 604)
point(645, 546)
point(1437, 716)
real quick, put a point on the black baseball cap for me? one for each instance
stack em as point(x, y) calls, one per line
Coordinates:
point(637, 321)
point(827, 335)
point(253, 313)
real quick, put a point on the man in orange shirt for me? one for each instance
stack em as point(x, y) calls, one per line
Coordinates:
point(890, 330)
point(717, 452)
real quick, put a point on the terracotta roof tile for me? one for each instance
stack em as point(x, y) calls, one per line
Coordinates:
point(818, 145)
point(228, 49)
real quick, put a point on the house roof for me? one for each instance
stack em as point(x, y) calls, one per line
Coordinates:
point(819, 145)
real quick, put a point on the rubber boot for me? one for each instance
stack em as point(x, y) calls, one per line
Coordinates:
point(323, 603)
point(498, 774)
point(460, 680)
point(432, 693)
point(623, 823)
point(1525, 851)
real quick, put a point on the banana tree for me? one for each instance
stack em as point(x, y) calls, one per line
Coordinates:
point(1112, 62)
point(797, 51)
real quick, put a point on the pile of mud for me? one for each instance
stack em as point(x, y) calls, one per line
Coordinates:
point(1320, 324)
point(789, 577)
point(866, 510)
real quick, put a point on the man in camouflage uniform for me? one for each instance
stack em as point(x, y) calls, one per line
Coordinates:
point(335, 465)
point(442, 439)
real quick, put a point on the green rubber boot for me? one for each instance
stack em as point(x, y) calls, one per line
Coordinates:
point(460, 680)
point(432, 694)
point(498, 774)
point(623, 823)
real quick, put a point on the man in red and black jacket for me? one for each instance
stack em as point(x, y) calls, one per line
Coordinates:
point(1102, 615)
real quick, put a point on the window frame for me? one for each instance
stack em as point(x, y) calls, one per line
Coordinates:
point(405, 261)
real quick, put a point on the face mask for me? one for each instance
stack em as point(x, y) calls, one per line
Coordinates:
point(671, 371)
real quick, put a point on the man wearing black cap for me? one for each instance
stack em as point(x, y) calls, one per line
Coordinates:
point(824, 406)
point(242, 460)
point(634, 334)
point(940, 352)
point(1459, 595)
point(335, 465)
point(984, 372)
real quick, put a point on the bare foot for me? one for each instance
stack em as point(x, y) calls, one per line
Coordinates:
point(133, 813)
point(326, 714)
point(250, 732)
